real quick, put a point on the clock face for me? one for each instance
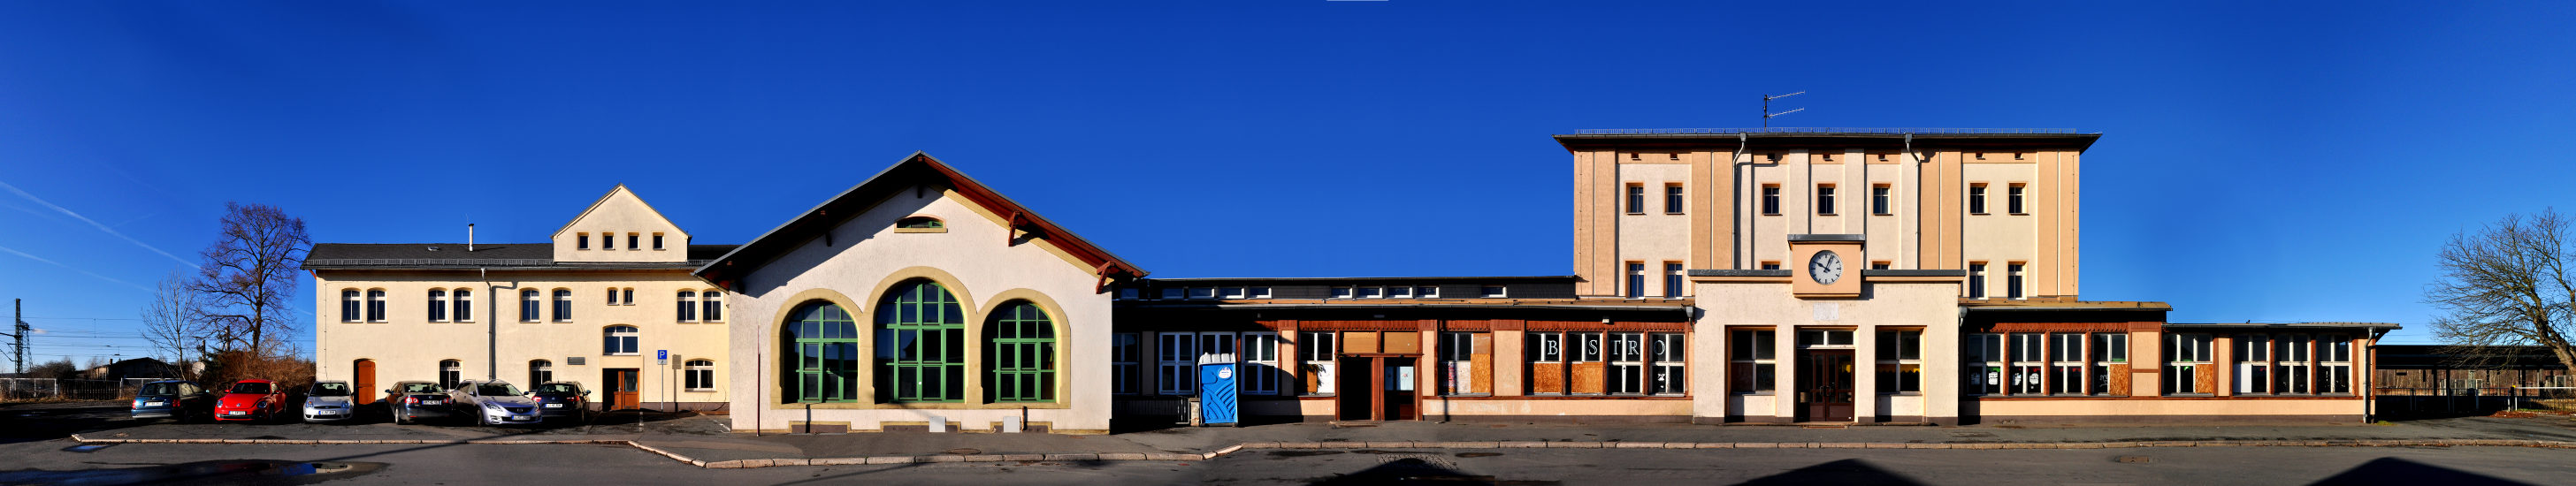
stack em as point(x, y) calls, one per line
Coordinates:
point(1825, 267)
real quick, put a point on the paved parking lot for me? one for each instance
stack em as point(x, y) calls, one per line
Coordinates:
point(110, 419)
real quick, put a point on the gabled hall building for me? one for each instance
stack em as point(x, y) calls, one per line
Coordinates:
point(1718, 276)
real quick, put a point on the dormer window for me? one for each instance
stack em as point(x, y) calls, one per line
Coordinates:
point(608, 241)
point(581, 241)
point(920, 224)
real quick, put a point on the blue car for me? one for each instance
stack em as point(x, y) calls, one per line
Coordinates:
point(173, 399)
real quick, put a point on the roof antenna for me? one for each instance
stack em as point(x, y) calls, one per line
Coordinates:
point(1766, 108)
point(469, 237)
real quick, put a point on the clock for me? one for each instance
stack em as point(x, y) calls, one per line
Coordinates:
point(1825, 267)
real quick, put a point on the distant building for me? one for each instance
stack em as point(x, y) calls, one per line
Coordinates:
point(132, 368)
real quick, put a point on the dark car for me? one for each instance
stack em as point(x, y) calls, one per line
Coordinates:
point(562, 400)
point(412, 401)
point(173, 399)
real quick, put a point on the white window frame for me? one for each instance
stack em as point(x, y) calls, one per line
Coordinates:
point(704, 375)
point(451, 372)
point(1547, 348)
point(2025, 369)
point(2066, 363)
point(2108, 349)
point(1125, 354)
point(1458, 363)
point(1176, 367)
point(2185, 350)
point(1982, 358)
point(1399, 292)
point(463, 308)
point(1668, 363)
point(631, 337)
point(437, 305)
point(2253, 353)
point(1344, 292)
point(532, 305)
point(1369, 292)
point(2334, 364)
point(1494, 291)
point(1232, 293)
point(1259, 292)
point(540, 371)
point(376, 308)
point(1626, 372)
point(1746, 348)
point(1316, 352)
point(2298, 359)
point(1892, 351)
point(1260, 369)
point(353, 307)
point(1426, 292)
point(711, 305)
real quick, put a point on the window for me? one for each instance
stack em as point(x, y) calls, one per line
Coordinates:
point(1316, 354)
point(2012, 199)
point(2066, 363)
point(1123, 351)
point(1982, 356)
point(608, 241)
point(1176, 369)
point(1259, 292)
point(464, 305)
point(1751, 364)
point(1546, 359)
point(349, 307)
point(921, 344)
point(2109, 350)
point(1879, 200)
point(1399, 292)
point(563, 305)
point(437, 305)
point(688, 306)
point(1825, 199)
point(1824, 338)
point(1977, 198)
point(631, 239)
point(823, 345)
point(1673, 198)
point(2334, 371)
point(1215, 348)
point(1627, 363)
point(920, 222)
point(1231, 293)
point(1371, 292)
point(657, 241)
point(1174, 294)
point(528, 305)
point(620, 341)
point(450, 372)
point(2185, 354)
point(540, 372)
point(1636, 199)
point(698, 375)
point(1673, 156)
point(1770, 265)
point(1426, 292)
point(1667, 353)
point(1770, 199)
point(2025, 373)
point(2296, 357)
point(1900, 361)
point(1879, 265)
point(612, 296)
point(1636, 280)
point(1977, 280)
point(1673, 280)
point(1341, 292)
point(629, 296)
point(1020, 351)
point(1260, 368)
point(1202, 293)
point(2013, 281)
point(1458, 356)
point(375, 306)
point(581, 241)
point(710, 306)
point(2253, 364)
point(1492, 292)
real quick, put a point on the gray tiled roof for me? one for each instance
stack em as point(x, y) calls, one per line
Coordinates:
point(343, 256)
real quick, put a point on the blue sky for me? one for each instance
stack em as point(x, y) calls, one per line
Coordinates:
point(2260, 162)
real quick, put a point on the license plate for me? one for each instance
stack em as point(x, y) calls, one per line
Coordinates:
point(431, 402)
point(554, 405)
point(235, 412)
point(519, 419)
point(154, 404)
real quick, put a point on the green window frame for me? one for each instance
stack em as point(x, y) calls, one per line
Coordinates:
point(824, 345)
point(1020, 352)
point(921, 345)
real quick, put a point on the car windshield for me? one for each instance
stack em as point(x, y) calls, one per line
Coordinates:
point(255, 388)
point(495, 390)
point(420, 388)
point(159, 389)
point(330, 389)
point(556, 388)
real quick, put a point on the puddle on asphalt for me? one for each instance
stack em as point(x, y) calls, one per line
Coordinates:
point(86, 448)
point(255, 471)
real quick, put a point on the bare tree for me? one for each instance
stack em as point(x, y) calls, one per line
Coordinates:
point(249, 275)
point(170, 320)
point(2507, 284)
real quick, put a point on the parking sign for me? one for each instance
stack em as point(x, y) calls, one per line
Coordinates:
point(661, 356)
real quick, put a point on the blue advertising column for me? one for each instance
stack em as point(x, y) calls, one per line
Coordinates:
point(1217, 394)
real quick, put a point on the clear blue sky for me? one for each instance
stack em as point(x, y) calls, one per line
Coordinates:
point(2267, 163)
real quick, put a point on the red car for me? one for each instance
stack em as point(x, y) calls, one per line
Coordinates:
point(251, 400)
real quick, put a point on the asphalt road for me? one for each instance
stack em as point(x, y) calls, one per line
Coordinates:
point(46, 462)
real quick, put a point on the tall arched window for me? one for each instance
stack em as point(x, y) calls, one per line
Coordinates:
point(713, 304)
point(823, 344)
point(376, 306)
point(528, 305)
point(539, 372)
point(349, 306)
point(621, 341)
point(437, 305)
point(1020, 352)
point(563, 305)
point(688, 306)
point(464, 305)
point(449, 373)
point(921, 344)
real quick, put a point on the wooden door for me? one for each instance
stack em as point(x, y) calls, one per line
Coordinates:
point(621, 389)
point(364, 379)
point(1399, 395)
point(1825, 385)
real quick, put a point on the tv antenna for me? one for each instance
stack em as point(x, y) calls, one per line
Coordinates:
point(1766, 108)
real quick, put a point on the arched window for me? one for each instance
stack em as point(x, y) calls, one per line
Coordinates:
point(376, 306)
point(824, 346)
point(621, 341)
point(1020, 352)
point(699, 375)
point(688, 306)
point(464, 305)
point(528, 305)
point(540, 372)
point(712, 302)
point(437, 305)
point(921, 344)
point(449, 373)
point(349, 306)
point(563, 305)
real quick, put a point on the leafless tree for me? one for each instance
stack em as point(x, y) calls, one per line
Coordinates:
point(248, 276)
point(170, 320)
point(2507, 284)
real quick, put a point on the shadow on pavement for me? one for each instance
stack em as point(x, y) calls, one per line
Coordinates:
point(1847, 471)
point(255, 471)
point(2390, 470)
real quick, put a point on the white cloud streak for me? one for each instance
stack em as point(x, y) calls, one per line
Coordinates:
point(93, 224)
point(73, 268)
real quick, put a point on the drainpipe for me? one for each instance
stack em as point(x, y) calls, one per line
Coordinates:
point(1737, 216)
point(1918, 205)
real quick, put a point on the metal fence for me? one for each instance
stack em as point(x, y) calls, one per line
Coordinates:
point(60, 389)
point(2472, 399)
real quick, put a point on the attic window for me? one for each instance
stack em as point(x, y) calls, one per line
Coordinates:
point(920, 224)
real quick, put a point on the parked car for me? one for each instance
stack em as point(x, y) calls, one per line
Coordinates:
point(412, 401)
point(562, 399)
point(173, 399)
point(330, 401)
point(251, 400)
point(493, 402)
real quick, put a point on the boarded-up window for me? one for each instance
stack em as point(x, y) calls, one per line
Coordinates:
point(1466, 363)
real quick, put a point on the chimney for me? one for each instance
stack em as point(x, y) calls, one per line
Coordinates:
point(469, 237)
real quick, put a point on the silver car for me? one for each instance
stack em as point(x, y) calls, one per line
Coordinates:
point(330, 401)
point(493, 403)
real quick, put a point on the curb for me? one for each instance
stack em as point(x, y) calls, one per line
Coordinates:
point(1237, 448)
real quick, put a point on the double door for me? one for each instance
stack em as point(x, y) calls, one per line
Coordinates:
point(1825, 385)
point(621, 389)
point(1377, 388)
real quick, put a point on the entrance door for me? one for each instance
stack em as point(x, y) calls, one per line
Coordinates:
point(1356, 391)
point(621, 389)
point(1825, 385)
point(364, 378)
point(1399, 391)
